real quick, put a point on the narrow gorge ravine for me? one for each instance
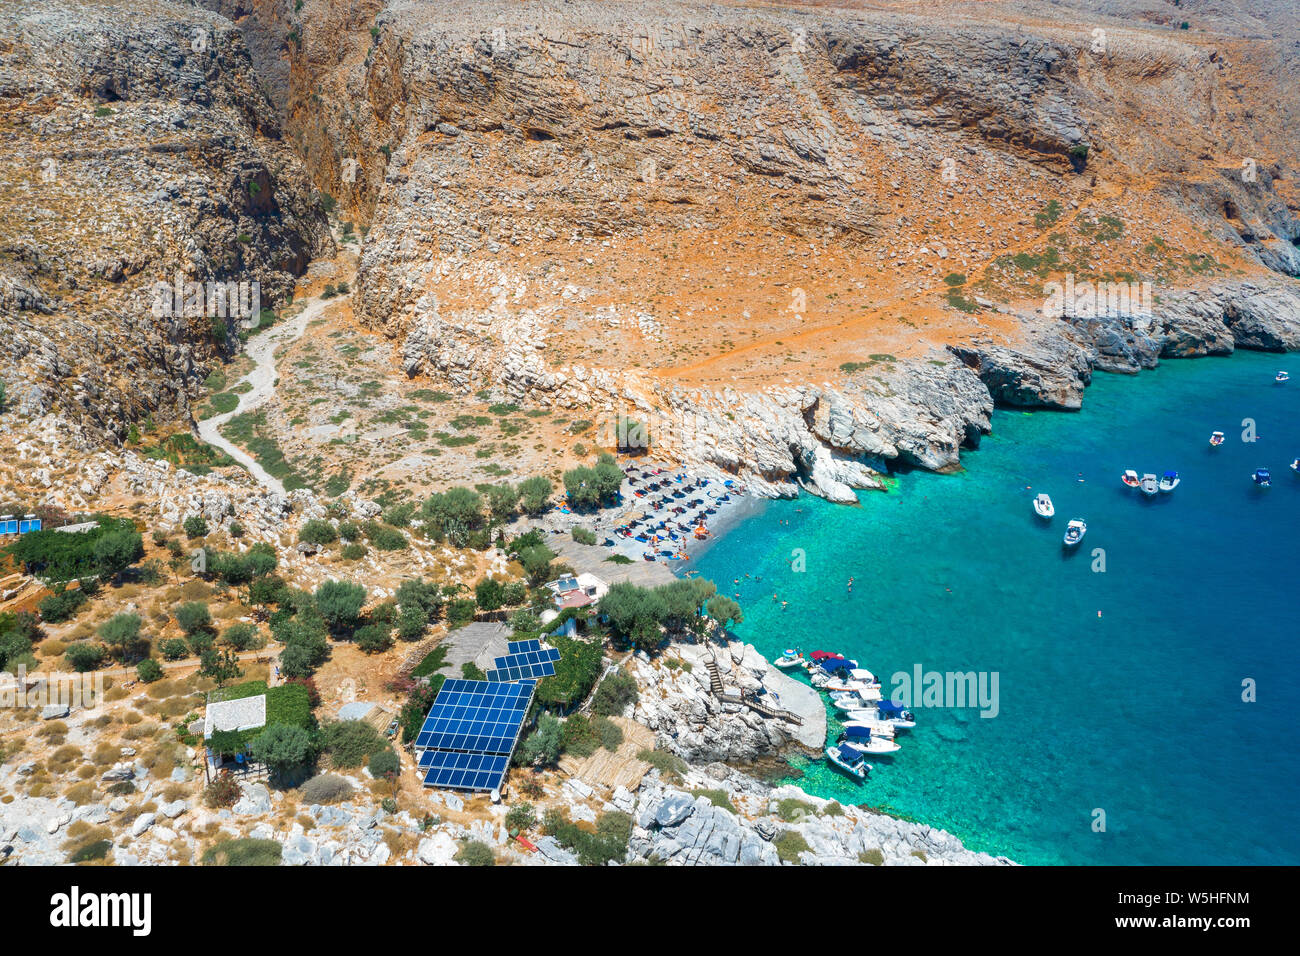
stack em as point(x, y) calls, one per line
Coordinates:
point(263, 379)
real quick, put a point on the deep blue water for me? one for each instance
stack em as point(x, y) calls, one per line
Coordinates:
point(1136, 710)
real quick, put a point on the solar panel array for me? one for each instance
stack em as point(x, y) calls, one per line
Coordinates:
point(471, 730)
point(457, 771)
point(539, 662)
point(523, 647)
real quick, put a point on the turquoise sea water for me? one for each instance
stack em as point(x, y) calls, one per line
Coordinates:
point(1137, 712)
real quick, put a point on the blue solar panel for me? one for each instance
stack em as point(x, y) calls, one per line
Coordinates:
point(479, 716)
point(523, 647)
point(528, 657)
point(456, 771)
point(539, 662)
point(522, 672)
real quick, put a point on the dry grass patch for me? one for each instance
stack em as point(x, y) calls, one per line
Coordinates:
point(175, 791)
point(61, 760)
point(81, 793)
point(55, 728)
point(401, 842)
point(160, 690)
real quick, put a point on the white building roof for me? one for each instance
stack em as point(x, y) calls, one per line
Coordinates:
point(246, 713)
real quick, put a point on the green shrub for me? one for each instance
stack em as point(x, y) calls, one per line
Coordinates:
point(475, 853)
point(542, 747)
point(718, 798)
point(872, 857)
point(195, 527)
point(61, 605)
point(583, 535)
point(374, 638)
point(174, 649)
point(91, 851)
point(194, 617)
point(351, 743)
point(460, 612)
point(242, 636)
point(791, 809)
point(244, 851)
point(581, 736)
point(339, 603)
point(384, 762)
point(317, 531)
point(665, 762)
point(520, 818)
point(384, 538)
point(611, 734)
point(85, 657)
point(789, 844)
point(149, 670)
point(607, 844)
point(614, 694)
point(353, 552)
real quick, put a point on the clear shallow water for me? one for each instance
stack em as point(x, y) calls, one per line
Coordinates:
point(1137, 712)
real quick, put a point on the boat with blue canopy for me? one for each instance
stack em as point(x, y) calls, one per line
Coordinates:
point(849, 759)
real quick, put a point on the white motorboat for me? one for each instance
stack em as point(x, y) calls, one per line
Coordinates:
point(845, 680)
point(1216, 439)
point(1282, 377)
point(1130, 478)
point(855, 692)
point(1074, 532)
point(849, 759)
point(1043, 506)
point(1295, 466)
point(847, 700)
point(871, 719)
point(896, 714)
point(1150, 485)
point(1169, 481)
point(790, 659)
point(861, 737)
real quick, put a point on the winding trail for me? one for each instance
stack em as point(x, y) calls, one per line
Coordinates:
point(261, 350)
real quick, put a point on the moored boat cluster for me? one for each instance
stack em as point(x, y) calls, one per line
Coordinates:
point(870, 721)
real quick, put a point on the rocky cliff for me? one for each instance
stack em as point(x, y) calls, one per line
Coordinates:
point(139, 150)
point(802, 243)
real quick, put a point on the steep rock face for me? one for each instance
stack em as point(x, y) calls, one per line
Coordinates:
point(496, 151)
point(1053, 365)
point(140, 150)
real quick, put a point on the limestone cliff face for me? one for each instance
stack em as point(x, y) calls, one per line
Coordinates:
point(540, 182)
point(799, 241)
point(139, 149)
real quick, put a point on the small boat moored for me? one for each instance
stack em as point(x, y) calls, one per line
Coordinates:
point(1074, 532)
point(1262, 478)
point(1282, 377)
point(1216, 439)
point(1150, 485)
point(1043, 506)
point(849, 759)
point(788, 660)
point(863, 737)
point(1295, 466)
point(1130, 478)
point(896, 714)
point(1169, 481)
